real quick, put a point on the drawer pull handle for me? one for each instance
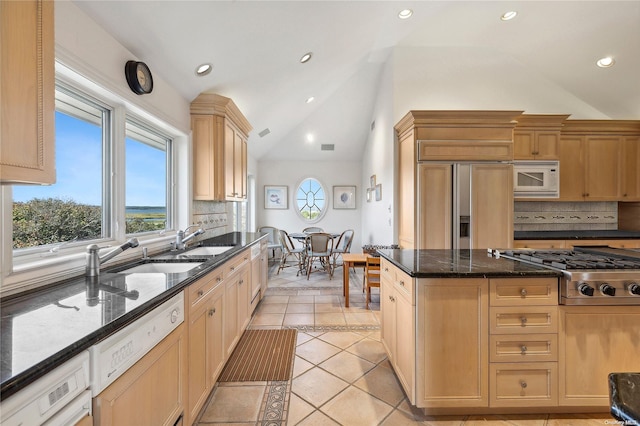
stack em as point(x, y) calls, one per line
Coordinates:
point(232, 268)
point(393, 299)
point(523, 320)
point(200, 293)
point(523, 384)
point(386, 269)
point(402, 283)
point(523, 348)
point(218, 279)
point(523, 292)
point(241, 282)
point(212, 311)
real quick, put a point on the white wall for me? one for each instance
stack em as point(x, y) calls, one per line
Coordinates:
point(379, 159)
point(291, 173)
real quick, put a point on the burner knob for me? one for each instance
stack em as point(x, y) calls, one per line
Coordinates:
point(585, 289)
point(607, 289)
point(634, 288)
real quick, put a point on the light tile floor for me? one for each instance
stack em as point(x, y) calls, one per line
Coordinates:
point(341, 374)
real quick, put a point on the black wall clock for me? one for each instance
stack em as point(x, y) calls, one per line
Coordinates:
point(139, 77)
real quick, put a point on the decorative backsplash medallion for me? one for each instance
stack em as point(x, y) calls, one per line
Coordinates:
point(565, 216)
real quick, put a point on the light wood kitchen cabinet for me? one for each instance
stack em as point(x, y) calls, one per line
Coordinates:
point(452, 343)
point(220, 134)
point(427, 139)
point(539, 244)
point(398, 330)
point(630, 170)
point(152, 392)
point(27, 92)
point(592, 162)
point(236, 306)
point(206, 345)
point(537, 137)
point(595, 341)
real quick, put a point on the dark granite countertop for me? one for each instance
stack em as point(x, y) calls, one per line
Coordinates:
point(576, 235)
point(460, 263)
point(42, 329)
point(624, 397)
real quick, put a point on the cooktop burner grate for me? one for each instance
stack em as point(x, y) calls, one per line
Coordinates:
point(572, 260)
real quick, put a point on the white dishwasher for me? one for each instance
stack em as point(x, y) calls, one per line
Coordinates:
point(59, 398)
point(111, 357)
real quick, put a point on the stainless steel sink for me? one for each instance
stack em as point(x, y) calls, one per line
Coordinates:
point(163, 268)
point(207, 251)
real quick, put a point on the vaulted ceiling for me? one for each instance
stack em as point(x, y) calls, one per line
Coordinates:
point(255, 48)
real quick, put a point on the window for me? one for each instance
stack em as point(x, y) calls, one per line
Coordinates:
point(72, 209)
point(100, 178)
point(148, 179)
point(311, 200)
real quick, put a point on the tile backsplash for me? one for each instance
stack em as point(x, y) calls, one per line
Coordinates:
point(214, 217)
point(565, 216)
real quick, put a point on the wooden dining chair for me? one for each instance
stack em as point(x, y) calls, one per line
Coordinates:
point(371, 276)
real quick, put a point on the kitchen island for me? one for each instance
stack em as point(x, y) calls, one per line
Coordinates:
point(468, 333)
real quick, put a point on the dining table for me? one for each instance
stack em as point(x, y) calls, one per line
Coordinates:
point(302, 237)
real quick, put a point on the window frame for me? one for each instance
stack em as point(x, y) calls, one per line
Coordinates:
point(43, 266)
point(324, 209)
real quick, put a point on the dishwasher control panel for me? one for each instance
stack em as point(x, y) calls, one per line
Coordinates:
point(113, 356)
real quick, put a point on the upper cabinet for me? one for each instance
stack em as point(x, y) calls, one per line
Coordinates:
point(537, 137)
point(220, 134)
point(27, 92)
point(598, 160)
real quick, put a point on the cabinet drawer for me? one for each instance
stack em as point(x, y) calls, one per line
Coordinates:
point(523, 384)
point(523, 291)
point(522, 320)
point(198, 290)
point(233, 265)
point(400, 280)
point(525, 348)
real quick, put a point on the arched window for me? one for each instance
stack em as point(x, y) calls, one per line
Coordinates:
point(311, 200)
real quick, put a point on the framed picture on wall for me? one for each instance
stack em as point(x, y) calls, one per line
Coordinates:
point(344, 197)
point(379, 192)
point(276, 197)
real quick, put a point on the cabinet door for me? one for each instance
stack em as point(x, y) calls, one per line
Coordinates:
point(602, 168)
point(229, 162)
point(230, 312)
point(215, 334)
point(434, 206)
point(388, 317)
point(571, 169)
point(452, 343)
point(240, 167)
point(199, 383)
point(405, 353)
point(595, 341)
point(491, 205)
point(27, 93)
point(546, 147)
point(244, 299)
point(152, 391)
point(406, 192)
point(207, 173)
point(630, 170)
point(523, 145)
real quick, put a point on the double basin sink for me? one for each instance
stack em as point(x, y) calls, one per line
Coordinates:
point(171, 264)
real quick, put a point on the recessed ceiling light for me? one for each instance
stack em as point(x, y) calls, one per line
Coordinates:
point(507, 16)
point(203, 69)
point(306, 57)
point(310, 137)
point(310, 99)
point(605, 62)
point(405, 14)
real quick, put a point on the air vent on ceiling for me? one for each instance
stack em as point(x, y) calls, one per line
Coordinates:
point(327, 147)
point(264, 133)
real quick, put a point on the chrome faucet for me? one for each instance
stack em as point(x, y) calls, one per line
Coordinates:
point(94, 260)
point(181, 240)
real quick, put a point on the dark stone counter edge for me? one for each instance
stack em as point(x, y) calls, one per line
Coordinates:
point(577, 235)
point(30, 375)
point(624, 392)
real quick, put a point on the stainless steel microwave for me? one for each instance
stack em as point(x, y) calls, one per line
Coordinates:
point(536, 179)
